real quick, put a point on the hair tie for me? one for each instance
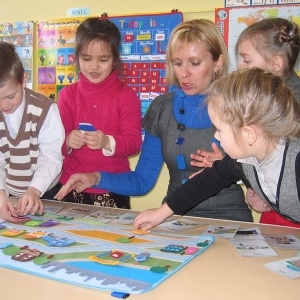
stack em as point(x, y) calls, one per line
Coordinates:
point(287, 34)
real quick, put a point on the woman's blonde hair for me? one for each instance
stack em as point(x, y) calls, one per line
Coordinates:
point(195, 31)
point(256, 97)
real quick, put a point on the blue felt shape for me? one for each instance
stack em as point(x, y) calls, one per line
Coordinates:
point(86, 127)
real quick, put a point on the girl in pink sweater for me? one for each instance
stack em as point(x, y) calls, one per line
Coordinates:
point(103, 100)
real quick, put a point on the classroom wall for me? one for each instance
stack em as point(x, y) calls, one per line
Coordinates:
point(34, 10)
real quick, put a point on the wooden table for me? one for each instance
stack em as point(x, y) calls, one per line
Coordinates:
point(218, 273)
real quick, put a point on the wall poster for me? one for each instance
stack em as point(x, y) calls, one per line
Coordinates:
point(232, 21)
point(20, 34)
point(143, 52)
point(55, 58)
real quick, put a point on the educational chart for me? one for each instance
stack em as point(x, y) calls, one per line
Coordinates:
point(55, 59)
point(143, 52)
point(20, 34)
point(232, 21)
point(96, 249)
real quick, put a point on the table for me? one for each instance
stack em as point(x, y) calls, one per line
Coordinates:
point(218, 273)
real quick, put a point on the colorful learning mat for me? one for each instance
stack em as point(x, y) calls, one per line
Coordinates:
point(105, 256)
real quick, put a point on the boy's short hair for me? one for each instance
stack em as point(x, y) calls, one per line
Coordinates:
point(11, 67)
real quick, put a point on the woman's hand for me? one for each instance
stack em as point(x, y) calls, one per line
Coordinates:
point(204, 159)
point(78, 182)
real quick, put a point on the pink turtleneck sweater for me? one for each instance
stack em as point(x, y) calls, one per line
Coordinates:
point(109, 106)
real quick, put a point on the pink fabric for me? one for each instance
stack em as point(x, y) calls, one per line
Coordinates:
point(274, 218)
point(109, 106)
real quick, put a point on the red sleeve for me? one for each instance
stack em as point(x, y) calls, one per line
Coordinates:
point(68, 118)
point(129, 140)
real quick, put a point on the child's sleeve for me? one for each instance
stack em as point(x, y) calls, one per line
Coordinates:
point(2, 174)
point(49, 163)
point(129, 139)
point(204, 185)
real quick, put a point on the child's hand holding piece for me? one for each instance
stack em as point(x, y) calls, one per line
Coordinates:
point(152, 217)
point(30, 202)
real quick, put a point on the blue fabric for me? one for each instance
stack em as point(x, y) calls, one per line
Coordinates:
point(142, 180)
point(195, 110)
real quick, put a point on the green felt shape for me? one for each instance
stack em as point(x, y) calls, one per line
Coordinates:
point(203, 244)
point(42, 259)
point(158, 269)
point(123, 240)
point(12, 250)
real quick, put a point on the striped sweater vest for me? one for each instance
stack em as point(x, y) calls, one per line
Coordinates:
point(21, 153)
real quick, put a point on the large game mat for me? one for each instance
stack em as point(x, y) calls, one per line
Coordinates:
point(101, 250)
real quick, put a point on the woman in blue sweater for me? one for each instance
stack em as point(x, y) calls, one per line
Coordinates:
point(177, 124)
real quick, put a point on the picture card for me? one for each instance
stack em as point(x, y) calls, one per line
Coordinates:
point(221, 231)
point(77, 211)
point(253, 233)
point(283, 241)
point(102, 216)
point(179, 225)
point(254, 248)
point(289, 267)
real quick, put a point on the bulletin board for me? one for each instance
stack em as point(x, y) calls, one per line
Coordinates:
point(20, 34)
point(143, 52)
point(232, 21)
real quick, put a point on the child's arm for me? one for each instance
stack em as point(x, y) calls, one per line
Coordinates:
point(7, 209)
point(49, 162)
point(129, 139)
point(152, 217)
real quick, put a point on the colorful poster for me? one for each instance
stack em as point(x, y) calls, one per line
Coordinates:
point(20, 34)
point(55, 59)
point(143, 52)
point(232, 21)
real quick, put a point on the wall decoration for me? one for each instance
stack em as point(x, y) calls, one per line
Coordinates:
point(20, 34)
